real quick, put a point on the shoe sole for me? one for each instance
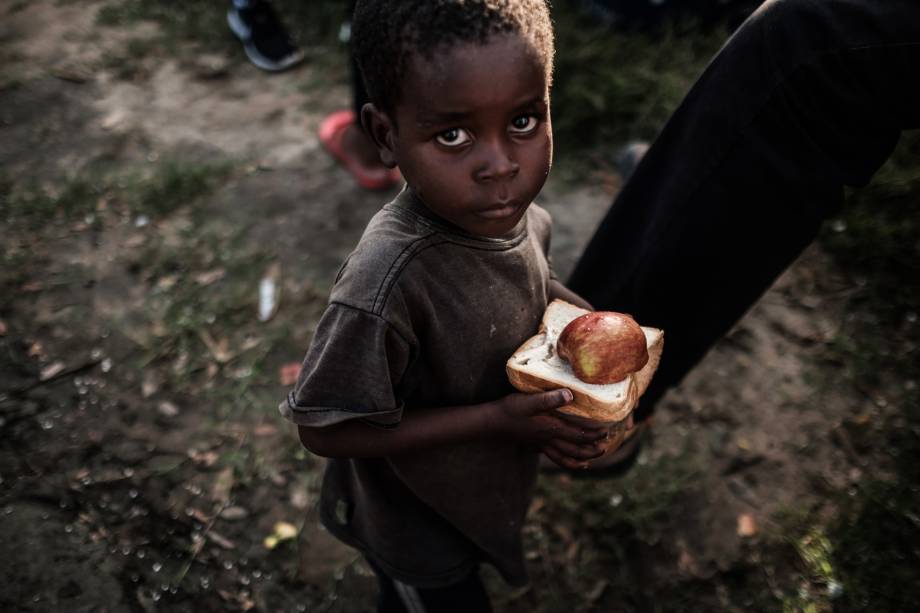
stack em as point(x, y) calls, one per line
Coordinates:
point(244, 33)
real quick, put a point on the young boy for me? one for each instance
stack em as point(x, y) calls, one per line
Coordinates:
point(433, 461)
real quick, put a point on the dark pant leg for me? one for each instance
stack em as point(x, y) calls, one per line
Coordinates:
point(806, 97)
point(467, 596)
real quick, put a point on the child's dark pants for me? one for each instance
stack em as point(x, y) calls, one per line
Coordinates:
point(467, 596)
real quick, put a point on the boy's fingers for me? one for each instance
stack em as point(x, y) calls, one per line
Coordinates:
point(577, 452)
point(563, 460)
point(564, 430)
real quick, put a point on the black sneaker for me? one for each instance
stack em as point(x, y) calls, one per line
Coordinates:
point(264, 39)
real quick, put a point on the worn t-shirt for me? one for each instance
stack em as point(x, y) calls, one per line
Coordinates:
point(424, 315)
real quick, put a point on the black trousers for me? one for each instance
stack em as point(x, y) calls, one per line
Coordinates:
point(467, 596)
point(807, 96)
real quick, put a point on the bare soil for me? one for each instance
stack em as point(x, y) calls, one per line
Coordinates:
point(143, 459)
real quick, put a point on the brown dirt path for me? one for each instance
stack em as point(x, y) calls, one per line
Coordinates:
point(117, 477)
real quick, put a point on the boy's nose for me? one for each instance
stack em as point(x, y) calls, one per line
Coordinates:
point(496, 163)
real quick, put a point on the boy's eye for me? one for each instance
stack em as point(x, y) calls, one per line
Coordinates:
point(523, 124)
point(453, 137)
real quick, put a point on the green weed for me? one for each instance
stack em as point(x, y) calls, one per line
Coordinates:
point(876, 534)
point(174, 183)
point(611, 87)
point(155, 192)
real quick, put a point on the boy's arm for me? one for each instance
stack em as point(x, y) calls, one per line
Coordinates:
point(558, 290)
point(523, 417)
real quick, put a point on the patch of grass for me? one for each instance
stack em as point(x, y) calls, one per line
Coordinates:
point(612, 86)
point(876, 534)
point(128, 62)
point(156, 192)
point(583, 530)
point(199, 326)
point(174, 183)
point(32, 206)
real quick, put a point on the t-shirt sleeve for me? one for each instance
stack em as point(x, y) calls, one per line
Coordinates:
point(351, 371)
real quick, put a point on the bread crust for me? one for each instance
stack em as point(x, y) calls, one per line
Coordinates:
point(585, 405)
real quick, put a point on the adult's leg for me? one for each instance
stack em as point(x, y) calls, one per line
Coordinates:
point(807, 96)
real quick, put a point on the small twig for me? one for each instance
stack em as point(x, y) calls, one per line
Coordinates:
point(67, 372)
point(199, 545)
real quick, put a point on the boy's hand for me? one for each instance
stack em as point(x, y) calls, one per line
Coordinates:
point(614, 440)
point(532, 418)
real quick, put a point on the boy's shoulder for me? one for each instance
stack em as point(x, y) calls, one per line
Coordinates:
point(389, 242)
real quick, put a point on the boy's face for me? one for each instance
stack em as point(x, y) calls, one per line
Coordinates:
point(473, 136)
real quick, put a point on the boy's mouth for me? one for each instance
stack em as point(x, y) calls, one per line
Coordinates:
point(500, 210)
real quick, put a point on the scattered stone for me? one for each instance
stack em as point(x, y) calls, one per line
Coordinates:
point(235, 513)
point(150, 384)
point(300, 498)
point(167, 409)
point(113, 119)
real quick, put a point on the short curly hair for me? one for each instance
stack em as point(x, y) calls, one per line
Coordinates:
point(385, 34)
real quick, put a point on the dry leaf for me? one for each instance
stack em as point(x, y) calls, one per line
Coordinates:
point(283, 531)
point(167, 282)
point(51, 370)
point(205, 458)
point(220, 350)
point(209, 277)
point(288, 373)
point(223, 484)
point(747, 526)
point(2, 328)
point(199, 515)
point(265, 430)
point(234, 513)
point(220, 540)
point(167, 409)
point(595, 592)
point(149, 385)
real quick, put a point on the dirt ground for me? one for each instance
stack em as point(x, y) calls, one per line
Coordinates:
point(143, 463)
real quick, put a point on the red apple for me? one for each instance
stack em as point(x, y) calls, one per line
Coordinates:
point(603, 347)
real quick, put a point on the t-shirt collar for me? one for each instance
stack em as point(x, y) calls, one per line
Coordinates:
point(407, 200)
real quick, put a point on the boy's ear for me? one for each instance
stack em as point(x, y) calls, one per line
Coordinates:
point(382, 131)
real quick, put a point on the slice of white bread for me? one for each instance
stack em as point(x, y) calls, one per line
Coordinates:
point(535, 367)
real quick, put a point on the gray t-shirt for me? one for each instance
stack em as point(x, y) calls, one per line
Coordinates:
point(424, 315)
